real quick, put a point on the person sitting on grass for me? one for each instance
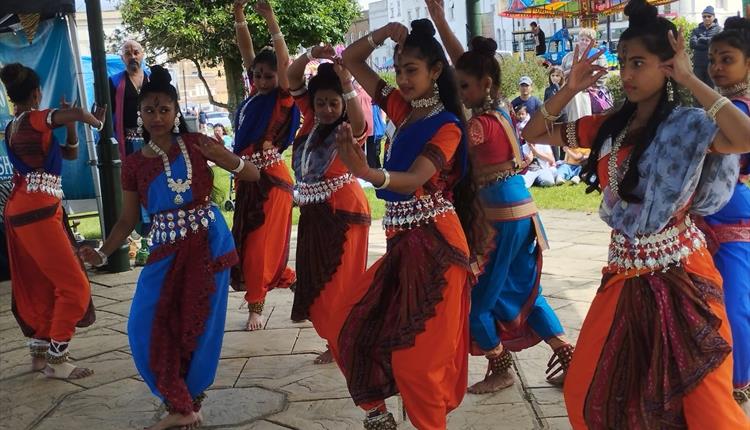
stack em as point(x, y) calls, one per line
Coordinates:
point(570, 168)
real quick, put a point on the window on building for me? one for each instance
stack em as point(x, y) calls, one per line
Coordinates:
point(398, 7)
point(452, 12)
point(418, 12)
point(408, 15)
point(392, 13)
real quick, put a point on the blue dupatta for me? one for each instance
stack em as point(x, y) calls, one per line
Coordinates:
point(256, 112)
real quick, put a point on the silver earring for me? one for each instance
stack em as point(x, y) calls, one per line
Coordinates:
point(176, 128)
point(139, 122)
point(670, 91)
point(435, 89)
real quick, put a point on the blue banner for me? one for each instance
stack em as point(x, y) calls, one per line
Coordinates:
point(51, 56)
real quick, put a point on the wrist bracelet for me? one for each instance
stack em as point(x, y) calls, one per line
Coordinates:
point(277, 36)
point(350, 95)
point(103, 256)
point(716, 107)
point(239, 167)
point(240, 24)
point(372, 42)
point(386, 180)
point(67, 145)
point(547, 116)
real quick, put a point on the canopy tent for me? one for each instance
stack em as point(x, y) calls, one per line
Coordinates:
point(586, 10)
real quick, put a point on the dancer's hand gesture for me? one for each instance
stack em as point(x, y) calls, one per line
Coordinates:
point(678, 67)
point(100, 113)
point(344, 76)
point(90, 256)
point(397, 32)
point(350, 152)
point(239, 4)
point(212, 149)
point(436, 8)
point(585, 72)
point(263, 8)
point(326, 52)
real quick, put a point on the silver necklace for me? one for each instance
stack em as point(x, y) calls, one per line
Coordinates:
point(179, 186)
point(612, 170)
point(736, 90)
point(306, 156)
point(438, 108)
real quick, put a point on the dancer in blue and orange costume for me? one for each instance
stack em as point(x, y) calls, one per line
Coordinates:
point(50, 291)
point(655, 347)
point(266, 124)
point(334, 214)
point(729, 68)
point(407, 318)
point(508, 312)
point(176, 323)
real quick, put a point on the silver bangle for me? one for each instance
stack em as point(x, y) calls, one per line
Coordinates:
point(547, 115)
point(386, 180)
point(716, 107)
point(239, 167)
point(277, 36)
point(100, 127)
point(372, 42)
point(49, 118)
point(240, 24)
point(350, 95)
point(103, 256)
point(67, 145)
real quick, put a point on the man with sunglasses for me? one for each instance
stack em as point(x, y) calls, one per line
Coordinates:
point(699, 41)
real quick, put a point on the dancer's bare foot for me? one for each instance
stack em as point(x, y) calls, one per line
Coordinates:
point(324, 358)
point(199, 421)
point(254, 322)
point(38, 363)
point(66, 371)
point(176, 420)
point(493, 382)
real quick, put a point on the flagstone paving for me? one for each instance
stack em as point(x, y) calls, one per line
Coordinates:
point(267, 380)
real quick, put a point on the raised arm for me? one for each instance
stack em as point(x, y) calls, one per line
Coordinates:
point(263, 8)
point(244, 40)
point(353, 106)
point(450, 41)
point(355, 56)
point(583, 74)
point(65, 116)
point(734, 125)
point(296, 72)
point(70, 149)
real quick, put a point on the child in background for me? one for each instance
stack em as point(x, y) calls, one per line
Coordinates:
point(570, 169)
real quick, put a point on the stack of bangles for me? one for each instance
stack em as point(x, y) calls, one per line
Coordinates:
point(372, 42)
point(716, 107)
point(386, 179)
point(549, 120)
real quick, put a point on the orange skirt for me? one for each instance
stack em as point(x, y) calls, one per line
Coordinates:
point(51, 292)
point(709, 405)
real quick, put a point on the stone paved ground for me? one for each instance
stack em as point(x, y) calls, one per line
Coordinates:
point(266, 379)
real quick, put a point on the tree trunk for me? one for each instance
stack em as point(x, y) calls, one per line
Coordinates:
point(235, 85)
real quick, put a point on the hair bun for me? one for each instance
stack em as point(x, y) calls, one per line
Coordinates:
point(641, 13)
point(326, 71)
point(484, 46)
point(737, 23)
point(160, 76)
point(422, 28)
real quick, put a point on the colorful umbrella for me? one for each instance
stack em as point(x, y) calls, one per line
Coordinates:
point(586, 10)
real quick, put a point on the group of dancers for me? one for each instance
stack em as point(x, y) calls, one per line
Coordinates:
point(461, 274)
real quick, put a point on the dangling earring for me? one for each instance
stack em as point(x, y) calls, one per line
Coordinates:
point(670, 91)
point(435, 89)
point(487, 101)
point(139, 122)
point(176, 128)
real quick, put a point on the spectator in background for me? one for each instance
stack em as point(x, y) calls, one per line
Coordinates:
point(570, 169)
point(699, 41)
point(540, 41)
point(202, 120)
point(124, 88)
point(221, 136)
point(541, 170)
point(374, 141)
point(580, 106)
point(525, 98)
point(556, 79)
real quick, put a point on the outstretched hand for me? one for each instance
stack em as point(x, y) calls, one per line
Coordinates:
point(341, 71)
point(327, 51)
point(100, 112)
point(263, 8)
point(397, 32)
point(90, 256)
point(211, 148)
point(350, 152)
point(436, 8)
point(584, 72)
point(678, 67)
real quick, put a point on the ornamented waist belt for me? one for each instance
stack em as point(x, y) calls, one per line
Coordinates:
point(487, 178)
point(739, 232)
point(171, 226)
point(46, 183)
point(412, 213)
point(318, 192)
point(655, 251)
point(266, 158)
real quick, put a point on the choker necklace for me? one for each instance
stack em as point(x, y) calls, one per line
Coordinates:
point(179, 186)
point(426, 102)
point(743, 88)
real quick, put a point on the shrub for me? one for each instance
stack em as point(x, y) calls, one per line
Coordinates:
point(512, 68)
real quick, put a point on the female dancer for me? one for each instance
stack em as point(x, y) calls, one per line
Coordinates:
point(266, 124)
point(654, 350)
point(406, 327)
point(176, 323)
point(334, 214)
point(508, 312)
point(729, 68)
point(51, 293)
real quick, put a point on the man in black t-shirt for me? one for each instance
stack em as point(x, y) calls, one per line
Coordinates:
point(532, 103)
point(540, 41)
point(124, 88)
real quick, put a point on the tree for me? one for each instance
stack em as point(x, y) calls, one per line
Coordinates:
point(114, 41)
point(202, 31)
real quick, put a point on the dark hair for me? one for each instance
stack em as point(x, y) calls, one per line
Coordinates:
point(422, 44)
point(159, 82)
point(479, 61)
point(326, 79)
point(266, 56)
point(534, 24)
point(736, 34)
point(20, 81)
point(554, 69)
point(652, 30)
point(520, 107)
